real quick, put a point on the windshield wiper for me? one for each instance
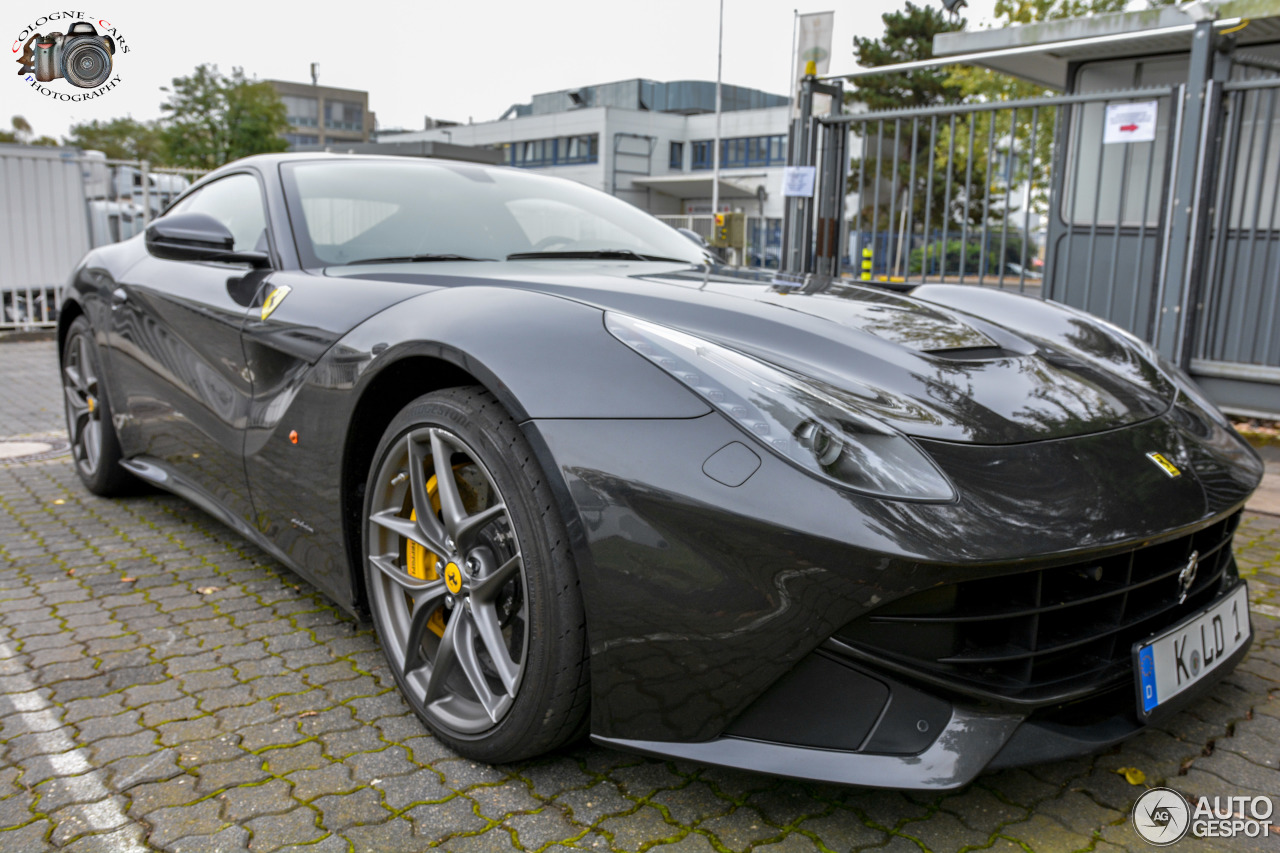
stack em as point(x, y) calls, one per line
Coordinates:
point(410, 259)
point(592, 255)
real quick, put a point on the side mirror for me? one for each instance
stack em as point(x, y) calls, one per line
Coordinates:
point(694, 236)
point(197, 237)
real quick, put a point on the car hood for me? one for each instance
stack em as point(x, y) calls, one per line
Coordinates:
point(942, 362)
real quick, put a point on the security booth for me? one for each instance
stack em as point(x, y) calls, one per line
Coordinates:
point(1145, 188)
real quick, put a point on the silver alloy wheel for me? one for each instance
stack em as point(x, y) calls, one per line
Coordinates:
point(84, 409)
point(457, 628)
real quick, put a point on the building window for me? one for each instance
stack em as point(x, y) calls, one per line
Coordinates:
point(296, 139)
point(560, 151)
point(301, 112)
point(742, 152)
point(676, 160)
point(702, 154)
point(343, 115)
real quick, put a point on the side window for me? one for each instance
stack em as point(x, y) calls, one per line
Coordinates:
point(236, 202)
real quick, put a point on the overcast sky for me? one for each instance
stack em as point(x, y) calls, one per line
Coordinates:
point(451, 60)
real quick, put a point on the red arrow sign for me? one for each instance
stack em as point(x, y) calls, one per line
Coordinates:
point(1128, 128)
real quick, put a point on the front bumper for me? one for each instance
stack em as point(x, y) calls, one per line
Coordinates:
point(711, 570)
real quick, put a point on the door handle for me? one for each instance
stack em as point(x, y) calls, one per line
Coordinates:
point(118, 297)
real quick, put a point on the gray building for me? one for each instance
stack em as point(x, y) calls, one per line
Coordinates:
point(325, 115)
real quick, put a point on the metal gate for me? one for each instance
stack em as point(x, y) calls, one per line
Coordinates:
point(1020, 195)
point(1237, 342)
point(1173, 234)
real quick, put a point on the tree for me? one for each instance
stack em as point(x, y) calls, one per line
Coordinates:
point(908, 37)
point(121, 139)
point(212, 119)
point(22, 134)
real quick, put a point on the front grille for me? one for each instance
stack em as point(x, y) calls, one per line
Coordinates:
point(1044, 634)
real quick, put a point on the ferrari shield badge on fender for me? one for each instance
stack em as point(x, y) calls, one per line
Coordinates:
point(274, 298)
point(1158, 458)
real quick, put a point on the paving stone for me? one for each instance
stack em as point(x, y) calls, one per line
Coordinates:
point(536, 830)
point(842, 830)
point(274, 831)
point(233, 838)
point(32, 837)
point(131, 837)
point(248, 801)
point(225, 774)
point(424, 785)
point(794, 843)
point(437, 821)
point(340, 811)
point(330, 779)
point(588, 805)
point(172, 823)
point(740, 829)
point(1043, 835)
point(394, 836)
point(642, 826)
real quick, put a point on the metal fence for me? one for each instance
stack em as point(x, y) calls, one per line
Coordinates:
point(970, 194)
point(58, 204)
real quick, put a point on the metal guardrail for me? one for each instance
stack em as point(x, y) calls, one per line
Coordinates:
point(61, 204)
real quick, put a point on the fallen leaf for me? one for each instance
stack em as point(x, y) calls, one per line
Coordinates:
point(307, 714)
point(127, 579)
point(206, 590)
point(71, 571)
point(1132, 775)
point(59, 502)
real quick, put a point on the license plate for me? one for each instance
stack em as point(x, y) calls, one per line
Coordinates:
point(1188, 652)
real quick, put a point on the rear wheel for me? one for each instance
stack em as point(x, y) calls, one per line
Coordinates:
point(92, 434)
point(471, 584)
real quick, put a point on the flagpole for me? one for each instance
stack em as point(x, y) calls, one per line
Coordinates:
point(715, 154)
point(791, 71)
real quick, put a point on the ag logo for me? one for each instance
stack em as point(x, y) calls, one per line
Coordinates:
point(274, 298)
point(1161, 816)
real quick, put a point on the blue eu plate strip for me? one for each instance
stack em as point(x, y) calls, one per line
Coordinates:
point(1147, 671)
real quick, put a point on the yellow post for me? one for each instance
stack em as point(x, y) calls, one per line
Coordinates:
point(866, 264)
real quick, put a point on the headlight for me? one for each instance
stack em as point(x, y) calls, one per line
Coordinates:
point(807, 424)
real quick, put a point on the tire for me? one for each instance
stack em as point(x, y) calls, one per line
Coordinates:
point(90, 429)
point(476, 601)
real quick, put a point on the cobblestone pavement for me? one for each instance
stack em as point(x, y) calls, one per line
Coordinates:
point(164, 685)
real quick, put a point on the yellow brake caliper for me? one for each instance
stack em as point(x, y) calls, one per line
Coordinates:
point(421, 563)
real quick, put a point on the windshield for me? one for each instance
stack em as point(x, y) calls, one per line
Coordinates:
point(351, 211)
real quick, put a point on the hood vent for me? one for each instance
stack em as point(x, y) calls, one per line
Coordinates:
point(973, 354)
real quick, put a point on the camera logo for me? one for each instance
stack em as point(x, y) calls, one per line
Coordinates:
point(1161, 816)
point(82, 56)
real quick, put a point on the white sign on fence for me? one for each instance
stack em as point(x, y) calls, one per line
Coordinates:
point(798, 181)
point(1131, 122)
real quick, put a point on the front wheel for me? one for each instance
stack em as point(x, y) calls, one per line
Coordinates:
point(470, 580)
